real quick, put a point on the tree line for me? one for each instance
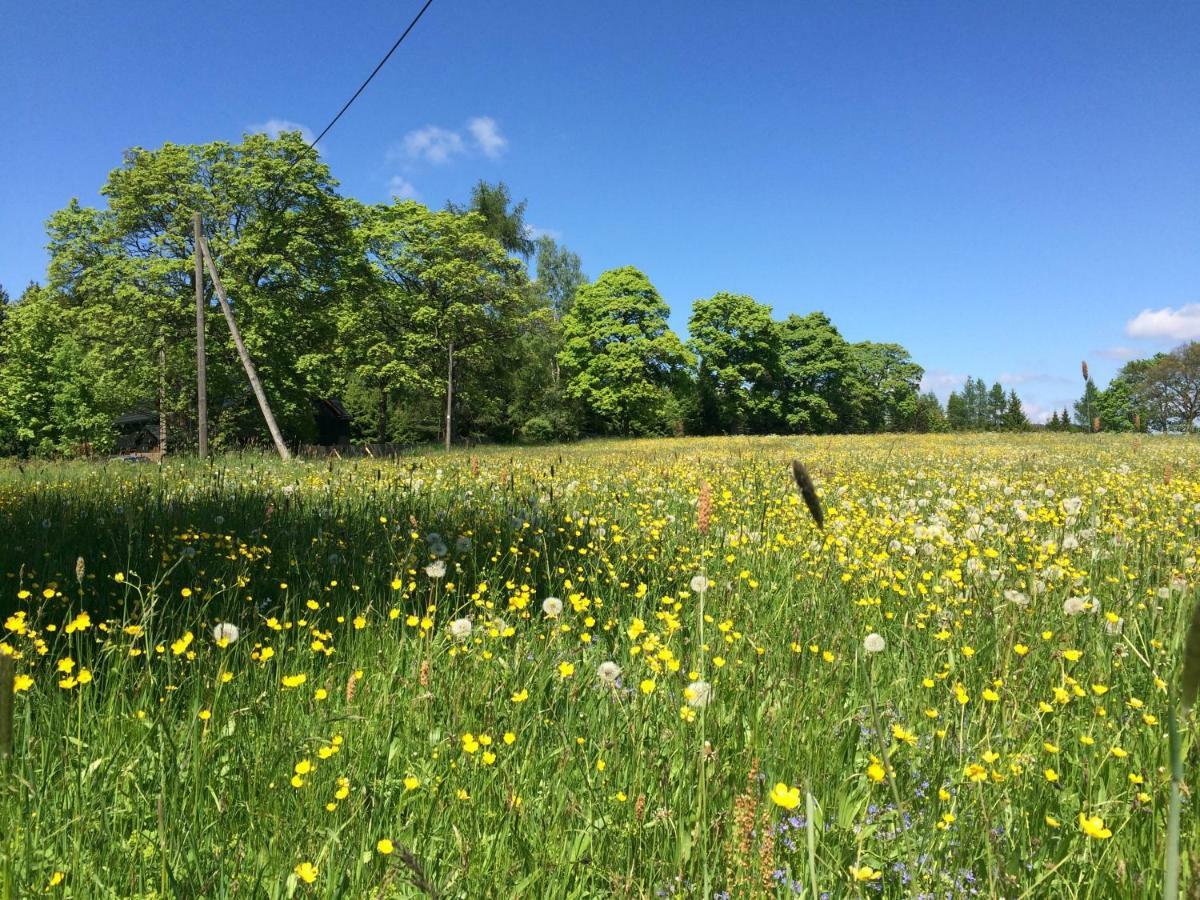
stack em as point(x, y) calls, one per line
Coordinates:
point(427, 324)
point(1160, 394)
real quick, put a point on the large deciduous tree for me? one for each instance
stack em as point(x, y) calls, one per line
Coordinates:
point(450, 287)
point(622, 362)
point(736, 345)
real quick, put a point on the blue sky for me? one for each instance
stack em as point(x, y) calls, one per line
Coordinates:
point(1005, 189)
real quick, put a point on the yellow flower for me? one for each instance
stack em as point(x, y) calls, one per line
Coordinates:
point(1051, 775)
point(876, 772)
point(903, 735)
point(864, 873)
point(291, 681)
point(1093, 826)
point(306, 872)
point(22, 682)
point(647, 686)
point(787, 797)
point(566, 669)
point(411, 783)
point(976, 772)
point(384, 846)
point(56, 879)
point(520, 696)
point(205, 715)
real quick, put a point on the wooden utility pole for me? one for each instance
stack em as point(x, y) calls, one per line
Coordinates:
point(201, 362)
point(251, 374)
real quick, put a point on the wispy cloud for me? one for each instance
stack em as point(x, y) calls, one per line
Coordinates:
point(1014, 378)
point(488, 139)
point(402, 189)
point(431, 144)
point(1117, 353)
point(533, 232)
point(437, 145)
point(1168, 323)
point(273, 128)
point(942, 382)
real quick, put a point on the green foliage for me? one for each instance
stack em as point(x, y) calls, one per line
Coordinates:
point(736, 345)
point(622, 362)
point(559, 275)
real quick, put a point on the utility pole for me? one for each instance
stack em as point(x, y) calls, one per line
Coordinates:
point(201, 363)
point(251, 374)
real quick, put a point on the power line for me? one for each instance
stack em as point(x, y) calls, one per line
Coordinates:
point(374, 72)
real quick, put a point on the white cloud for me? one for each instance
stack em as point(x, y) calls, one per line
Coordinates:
point(432, 144)
point(273, 128)
point(487, 136)
point(1182, 324)
point(533, 232)
point(438, 145)
point(402, 189)
point(942, 382)
point(1015, 378)
point(1037, 413)
point(1117, 353)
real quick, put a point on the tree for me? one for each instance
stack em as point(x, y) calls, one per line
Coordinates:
point(997, 404)
point(447, 280)
point(1055, 423)
point(1171, 387)
point(893, 381)
point(282, 241)
point(818, 372)
point(1013, 418)
point(737, 348)
point(559, 275)
point(1086, 406)
point(506, 226)
point(621, 361)
point(929, 416)
point(957, 416)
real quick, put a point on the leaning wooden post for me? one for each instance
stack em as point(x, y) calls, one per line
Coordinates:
point(7, 680)
point(201, 362)
point(242, 352)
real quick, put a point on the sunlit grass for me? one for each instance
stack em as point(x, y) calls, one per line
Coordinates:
point(406, 710)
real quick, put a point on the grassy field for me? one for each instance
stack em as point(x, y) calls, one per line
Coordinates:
point(613, 669)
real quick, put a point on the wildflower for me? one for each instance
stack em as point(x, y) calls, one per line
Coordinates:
point(647, 686)
point(566, 669)
point(22, 682)
point(1093, 827)
point(698, 694)
point(225, 634)
point(876, 772)
point(436, 569)
point(787, 797)
point(552, 607)
point(411, 782)
point(520, 696)
point(699, 584)
point(976, 772)
point(291, 681)
point(874, 643)
point(306, 872)
point(384, 846)
point(864, 873)
point(608, 672)
point(460, 629)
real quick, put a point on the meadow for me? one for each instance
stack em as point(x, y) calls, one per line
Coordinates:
point(630, 668)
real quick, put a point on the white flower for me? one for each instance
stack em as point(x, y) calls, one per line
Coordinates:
point(698, 694)
point(1072, 505)
point(460, 629)
point(552, 607)
point(1016, 597)
point(436, 569)
point(699, 584)
point(226, 634)
point(1073, 606)
point(874, 643)
point(609, 672)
